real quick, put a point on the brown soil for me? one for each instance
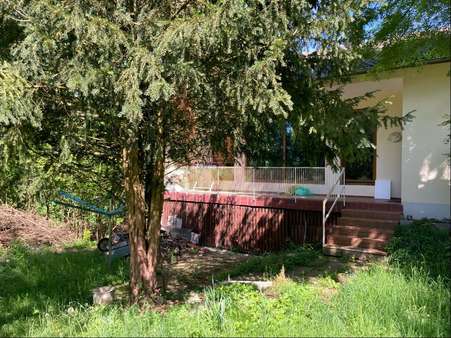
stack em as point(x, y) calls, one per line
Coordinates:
point(30, 228)
point(190, 269)
point(196, 267)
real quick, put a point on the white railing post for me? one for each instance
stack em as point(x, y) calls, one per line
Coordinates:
point(336, 191)
point(253, 182)
point(324, 221)
point(344, 187)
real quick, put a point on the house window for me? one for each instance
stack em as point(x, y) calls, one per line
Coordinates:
point(363, 172)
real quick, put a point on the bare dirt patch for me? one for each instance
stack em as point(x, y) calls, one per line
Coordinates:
point(190, 270)
point(196, 267)
point(338, 269)
point(31, 229)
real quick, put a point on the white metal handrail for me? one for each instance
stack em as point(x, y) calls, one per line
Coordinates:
point(337, 191)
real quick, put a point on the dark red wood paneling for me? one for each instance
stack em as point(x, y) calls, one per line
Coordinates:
point(250, 225)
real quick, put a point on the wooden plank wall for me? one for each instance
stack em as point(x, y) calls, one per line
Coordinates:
point(246, 227)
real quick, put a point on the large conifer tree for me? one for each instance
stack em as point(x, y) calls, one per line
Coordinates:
point(149, 83)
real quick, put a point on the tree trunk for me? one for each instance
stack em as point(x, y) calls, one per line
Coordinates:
point(142, 281)
point(47, 208)
point(155, 188)
point(283, 133)
point(155, 211)
point(144, 237)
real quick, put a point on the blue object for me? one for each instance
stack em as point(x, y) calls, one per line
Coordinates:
point(301, 191)
point(83, 205)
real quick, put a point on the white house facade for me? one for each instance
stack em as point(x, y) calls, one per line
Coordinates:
point(414, 160)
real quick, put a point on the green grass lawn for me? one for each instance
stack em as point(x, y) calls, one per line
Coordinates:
point(44, 293)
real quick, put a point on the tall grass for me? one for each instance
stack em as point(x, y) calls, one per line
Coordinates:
point(35, 282)
point(47, 294)
point(379, 302)
point(423, 246)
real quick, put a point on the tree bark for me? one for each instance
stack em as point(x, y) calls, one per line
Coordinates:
point(144, 237)
point(155, 210)
point(155, 187)
point(141, 280)
point(283, 133)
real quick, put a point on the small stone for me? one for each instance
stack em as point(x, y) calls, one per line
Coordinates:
point(103, 295)
point(193, 298)
point(261, 285)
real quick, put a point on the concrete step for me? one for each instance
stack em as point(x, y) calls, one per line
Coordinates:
point(333, 250)
point(373, 214)
point(356, 242)
point(367, 222)
point(361, 231)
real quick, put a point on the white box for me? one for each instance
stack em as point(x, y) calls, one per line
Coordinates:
point(174, 221)
point(195, 238)
point(382, 189)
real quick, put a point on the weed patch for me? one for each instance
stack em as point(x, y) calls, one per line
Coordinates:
point(421, 246)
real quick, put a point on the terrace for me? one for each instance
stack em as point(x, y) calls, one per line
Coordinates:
point(262, 208)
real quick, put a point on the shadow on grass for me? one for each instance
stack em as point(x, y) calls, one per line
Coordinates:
point(34, 281)
point(301, 264)
point(423, 246)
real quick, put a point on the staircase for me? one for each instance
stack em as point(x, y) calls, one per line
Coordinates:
point(363, 228)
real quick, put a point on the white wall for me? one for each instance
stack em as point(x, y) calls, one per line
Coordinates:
point(418, 166)
point(388, 160)
point(425, 167)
